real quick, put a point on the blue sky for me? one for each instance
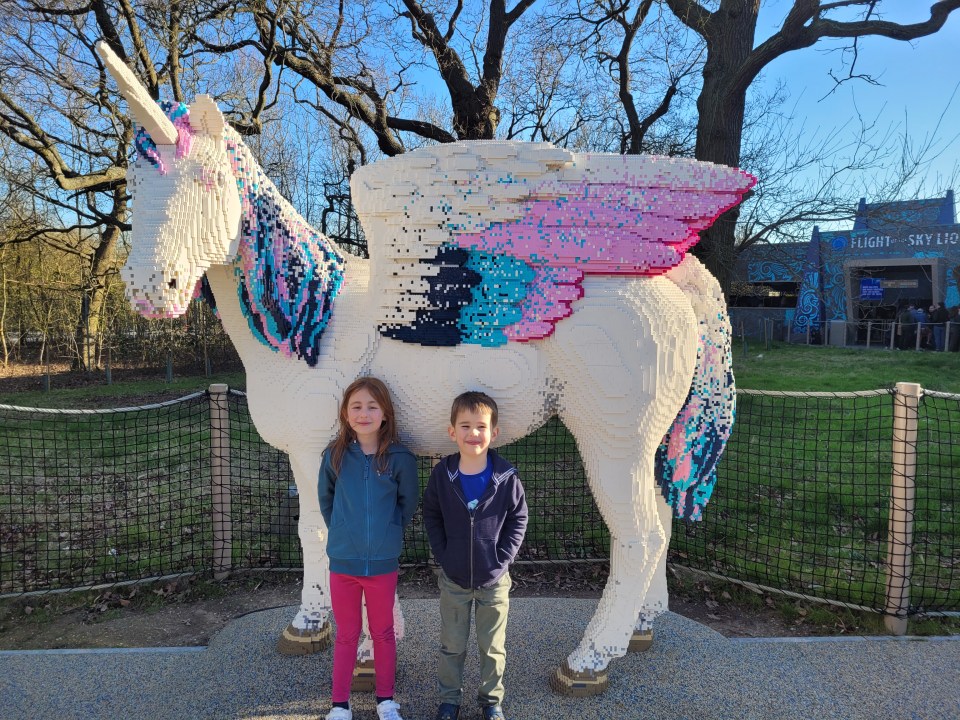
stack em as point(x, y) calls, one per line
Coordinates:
point(917, 82)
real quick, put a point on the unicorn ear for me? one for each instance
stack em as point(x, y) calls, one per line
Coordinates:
point(205, 117)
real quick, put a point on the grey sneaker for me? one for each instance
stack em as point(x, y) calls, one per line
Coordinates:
point(448, 711)
point(338, 713)
point(493, 712)
point(388, 710)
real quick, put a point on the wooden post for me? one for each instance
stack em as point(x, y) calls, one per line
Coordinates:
point(220, 480)
point(45, 352)
point(893, 334)
point(869, 331)
point(906, 402)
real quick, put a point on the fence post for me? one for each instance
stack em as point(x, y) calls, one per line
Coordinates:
point(906, 403)
point(45, 350)
point(220, 479)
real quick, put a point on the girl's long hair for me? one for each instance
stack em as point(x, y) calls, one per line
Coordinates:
point(388, 429)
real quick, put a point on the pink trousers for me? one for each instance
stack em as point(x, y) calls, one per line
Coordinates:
point(347, 593)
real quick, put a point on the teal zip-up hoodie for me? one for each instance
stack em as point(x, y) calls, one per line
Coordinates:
point(366, 511)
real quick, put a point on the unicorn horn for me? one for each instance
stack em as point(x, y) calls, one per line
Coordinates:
point(143, 108)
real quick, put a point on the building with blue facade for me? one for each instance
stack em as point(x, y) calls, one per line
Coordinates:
point(896, 253)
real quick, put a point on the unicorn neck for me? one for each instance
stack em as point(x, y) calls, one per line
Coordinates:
point(289, 274)
point(260, 197)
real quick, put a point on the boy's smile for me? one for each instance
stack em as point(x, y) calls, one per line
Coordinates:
point(473, 434)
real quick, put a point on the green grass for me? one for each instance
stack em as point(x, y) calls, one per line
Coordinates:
point(806, 368)
point(92, 391)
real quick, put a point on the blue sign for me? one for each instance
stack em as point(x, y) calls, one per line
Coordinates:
point(870, 289)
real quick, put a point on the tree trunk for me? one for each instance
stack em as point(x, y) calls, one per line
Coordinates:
point(102, 265)
point(721, 106)
point(475, 117)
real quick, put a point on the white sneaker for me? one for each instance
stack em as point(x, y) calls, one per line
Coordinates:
point(388, 710)
point(338, 713)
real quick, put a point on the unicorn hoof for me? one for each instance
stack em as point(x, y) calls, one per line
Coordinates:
point(295, 641)
point(640, 641)
point(565, 681)
point(364, 678)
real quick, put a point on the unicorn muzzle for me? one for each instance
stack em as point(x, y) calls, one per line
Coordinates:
point(155, 294)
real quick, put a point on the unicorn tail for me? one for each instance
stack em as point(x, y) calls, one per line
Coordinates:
point(686, 461)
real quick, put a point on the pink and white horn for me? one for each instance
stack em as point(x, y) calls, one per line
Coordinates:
point(144, 109)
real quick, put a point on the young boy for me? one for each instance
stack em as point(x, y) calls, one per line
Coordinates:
point(475, 514)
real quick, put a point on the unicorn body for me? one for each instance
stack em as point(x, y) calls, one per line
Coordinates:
point(478, 279)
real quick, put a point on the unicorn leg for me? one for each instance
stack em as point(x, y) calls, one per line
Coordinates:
point(639, 349)
point(637, 544)
point(655, 602)
point(309, 632)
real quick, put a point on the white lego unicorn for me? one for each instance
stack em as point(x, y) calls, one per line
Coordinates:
point(555, 281)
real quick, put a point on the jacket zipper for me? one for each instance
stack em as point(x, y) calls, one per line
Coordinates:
point(366, 492)
point(459, 493)
point(473, 542)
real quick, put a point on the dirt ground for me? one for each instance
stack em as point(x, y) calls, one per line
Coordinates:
point(191, 612)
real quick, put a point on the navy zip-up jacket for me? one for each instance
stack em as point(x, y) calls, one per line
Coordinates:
point(366, 511)
point(474, 549)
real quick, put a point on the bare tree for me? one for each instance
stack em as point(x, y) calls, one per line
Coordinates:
point(649, 61)
point(57, 105)
point(52, 105)
point(367, 59)
point(734, 59)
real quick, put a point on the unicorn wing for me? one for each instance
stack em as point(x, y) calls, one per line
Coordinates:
point(489, 242)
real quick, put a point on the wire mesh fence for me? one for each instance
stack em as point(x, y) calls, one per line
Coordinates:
point(99, 497)
point(803, 504)
point(805, 497)
point(935, 572)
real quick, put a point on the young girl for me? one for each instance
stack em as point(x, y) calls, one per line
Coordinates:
point(368, 492)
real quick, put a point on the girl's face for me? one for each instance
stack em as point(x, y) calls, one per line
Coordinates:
point(365, 416)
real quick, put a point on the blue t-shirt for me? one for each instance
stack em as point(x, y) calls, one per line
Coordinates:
point(474, 485)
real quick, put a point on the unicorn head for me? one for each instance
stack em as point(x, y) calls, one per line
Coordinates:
point(186, 203)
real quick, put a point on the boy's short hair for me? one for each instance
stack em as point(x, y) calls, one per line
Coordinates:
point(473, 401)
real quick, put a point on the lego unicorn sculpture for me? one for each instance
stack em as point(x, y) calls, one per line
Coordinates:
point(557, 282)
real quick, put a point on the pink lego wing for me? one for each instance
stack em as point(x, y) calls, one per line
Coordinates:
point(622, 225)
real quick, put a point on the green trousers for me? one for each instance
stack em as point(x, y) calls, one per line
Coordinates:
point(490, 606)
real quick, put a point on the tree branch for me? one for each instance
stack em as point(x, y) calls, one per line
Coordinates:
point(805, 25)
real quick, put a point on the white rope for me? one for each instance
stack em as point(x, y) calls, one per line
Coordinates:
point(817, 394)
point(101, 411)
point(943, 395)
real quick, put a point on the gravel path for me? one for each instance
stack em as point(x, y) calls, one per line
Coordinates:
point(691, 672)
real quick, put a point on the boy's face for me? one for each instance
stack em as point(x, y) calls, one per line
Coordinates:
point(473, 432)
